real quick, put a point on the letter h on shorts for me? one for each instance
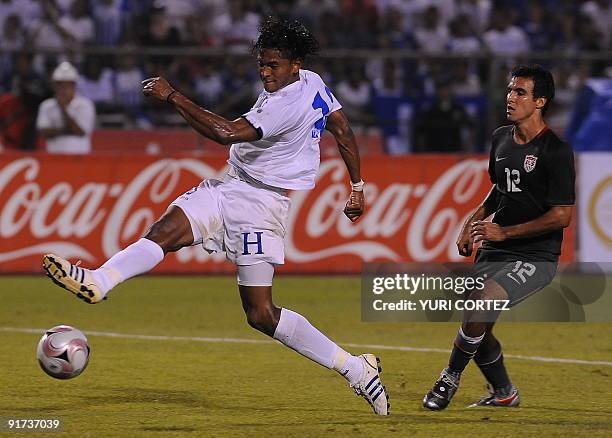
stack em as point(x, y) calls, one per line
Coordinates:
point(247, 242)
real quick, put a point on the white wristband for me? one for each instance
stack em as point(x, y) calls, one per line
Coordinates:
point(358, 186)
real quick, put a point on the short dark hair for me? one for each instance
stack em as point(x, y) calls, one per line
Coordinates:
point(291, 38)
point(543, 82)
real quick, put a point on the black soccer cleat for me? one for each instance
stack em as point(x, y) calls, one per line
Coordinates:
point(440, 395)
point(497, 398)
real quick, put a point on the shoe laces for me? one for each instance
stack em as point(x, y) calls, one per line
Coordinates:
point(495, 394)
point(449, 379)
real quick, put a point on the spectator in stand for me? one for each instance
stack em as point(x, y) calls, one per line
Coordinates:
point(363, 16)
point(356, 96)
point(389, 84)
point(330, 30)
point(447, 9)
point(393, 33)
point(237, 27)
point(208, 86)
point(432, 35)
point(78, 23)
point(464, 82)
point(477, 11)
point(198, 31)
point(13, 122)
point(566, 39)
point(67, 120)
point(13, 33)
point(445, 126)
point(107, 22)
point(179, 11)
point(96, 83)
point(600, 13)
point(569, 80)
point(240, 79)
point(6, 8)
point(27, 82)
point(28, 11)
point(463, 39)
point(46, 32)
point(18, 106)
point(504, 39)
point(588, 37)
point(539, 27)
point(159, 34)
point(12, 38)
point(127, 83)
point(310, 11)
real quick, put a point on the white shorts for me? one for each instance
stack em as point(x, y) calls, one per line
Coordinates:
point(245, 221)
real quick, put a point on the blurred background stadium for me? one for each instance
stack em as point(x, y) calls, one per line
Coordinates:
point(422, 80)
point(387, 61)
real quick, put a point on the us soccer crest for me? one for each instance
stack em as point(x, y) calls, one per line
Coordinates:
point(530, 162)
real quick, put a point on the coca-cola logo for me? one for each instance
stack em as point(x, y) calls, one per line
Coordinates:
point(93, 220)
point(431, 227)
point(28, 208)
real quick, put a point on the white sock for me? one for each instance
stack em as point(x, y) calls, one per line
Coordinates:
point(138, 258)
point(297, 333)
point(350, 367)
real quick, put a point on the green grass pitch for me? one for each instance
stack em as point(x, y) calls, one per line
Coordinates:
point(185, 387)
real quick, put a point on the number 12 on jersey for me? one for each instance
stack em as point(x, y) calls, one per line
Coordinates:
point(513, 178)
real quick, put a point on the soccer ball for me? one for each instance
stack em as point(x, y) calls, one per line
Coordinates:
point(63, 352)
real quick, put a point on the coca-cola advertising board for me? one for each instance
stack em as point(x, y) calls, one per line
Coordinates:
point(90, 207)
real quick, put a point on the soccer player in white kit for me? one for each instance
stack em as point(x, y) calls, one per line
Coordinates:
point(274, 148)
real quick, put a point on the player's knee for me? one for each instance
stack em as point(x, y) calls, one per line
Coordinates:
point(263, 318)
point(170, 233)
point(162, 234)
point(491, 291)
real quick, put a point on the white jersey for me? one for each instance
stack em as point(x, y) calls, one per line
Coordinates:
point(291, 122)
point(82, 111)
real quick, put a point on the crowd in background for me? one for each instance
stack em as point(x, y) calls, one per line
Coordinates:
point(36, 35)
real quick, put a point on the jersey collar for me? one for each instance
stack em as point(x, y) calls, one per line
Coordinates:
point(288, 90)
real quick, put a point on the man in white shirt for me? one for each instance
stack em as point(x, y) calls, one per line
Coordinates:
point(505, 39)
point(274, 148)
point(67, 120)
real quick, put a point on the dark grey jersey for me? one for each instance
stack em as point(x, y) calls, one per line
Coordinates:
point(529, 179)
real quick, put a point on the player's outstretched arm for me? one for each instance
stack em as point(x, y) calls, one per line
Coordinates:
point(207, 123)
point(338, 125)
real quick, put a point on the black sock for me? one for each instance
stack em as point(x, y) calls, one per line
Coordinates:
point(490, 360)
point(464, 349)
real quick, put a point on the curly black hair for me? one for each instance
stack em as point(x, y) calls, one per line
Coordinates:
point(291, 38)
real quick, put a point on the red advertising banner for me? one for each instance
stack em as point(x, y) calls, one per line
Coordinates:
point(90, 207)
point(173, 141)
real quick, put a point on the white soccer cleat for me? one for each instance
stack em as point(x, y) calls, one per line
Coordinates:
point(71, 277)
point(370, 387)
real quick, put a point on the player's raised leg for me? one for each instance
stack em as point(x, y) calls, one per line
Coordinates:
point(170, 233)
point(297, 333)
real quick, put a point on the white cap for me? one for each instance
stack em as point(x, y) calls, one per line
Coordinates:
point(65, 72)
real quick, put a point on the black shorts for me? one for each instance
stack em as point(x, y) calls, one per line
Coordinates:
point(520, 276)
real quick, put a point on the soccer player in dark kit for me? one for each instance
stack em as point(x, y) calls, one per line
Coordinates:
point(532, 200)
